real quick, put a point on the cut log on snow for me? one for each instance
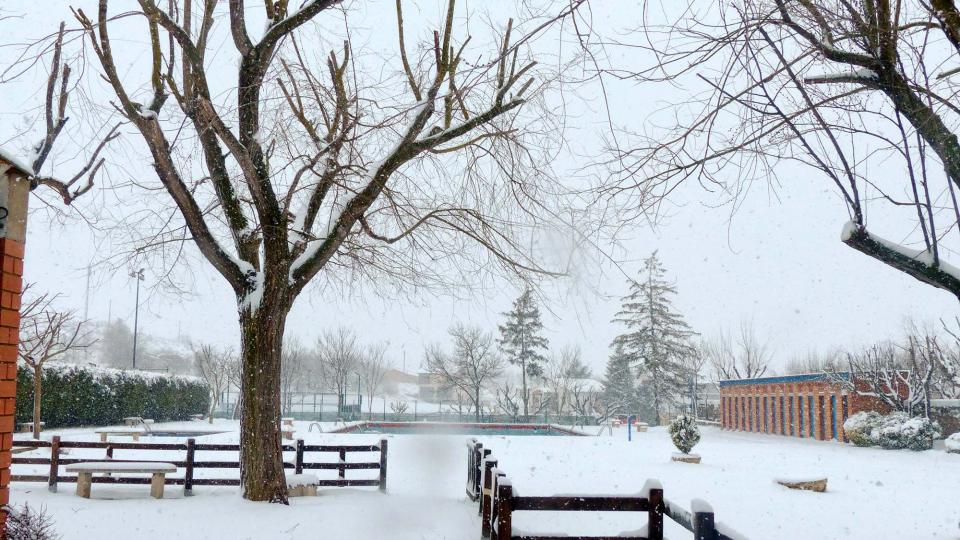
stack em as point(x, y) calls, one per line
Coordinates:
point(685, 458)
point(808, 484)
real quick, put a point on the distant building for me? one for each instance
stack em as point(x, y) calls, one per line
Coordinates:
point(432, 388)
point(808, 406)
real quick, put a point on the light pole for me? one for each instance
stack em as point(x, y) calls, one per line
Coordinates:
point(138, 275)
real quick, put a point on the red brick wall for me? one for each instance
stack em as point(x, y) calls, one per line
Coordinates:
point(11, 253)
point(772, 421)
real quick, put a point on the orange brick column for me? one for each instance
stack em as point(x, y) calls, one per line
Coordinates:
point(11, 252)
point(14, 198)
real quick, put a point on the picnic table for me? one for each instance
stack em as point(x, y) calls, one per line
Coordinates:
point(86, 470)
point(127, 432)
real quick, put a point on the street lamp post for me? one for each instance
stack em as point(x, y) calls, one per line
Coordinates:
point(138, 275)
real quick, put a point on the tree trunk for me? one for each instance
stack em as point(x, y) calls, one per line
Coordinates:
point(261, 460)
point(37, 392)
point(523, 374)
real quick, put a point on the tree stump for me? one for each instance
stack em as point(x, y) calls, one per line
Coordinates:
point(812, 484)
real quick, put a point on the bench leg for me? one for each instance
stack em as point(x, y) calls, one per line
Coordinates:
point(103, 437)
point(136, 437)
point(84, 479)
point(156, 485)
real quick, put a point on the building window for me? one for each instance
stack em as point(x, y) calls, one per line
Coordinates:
point(765, 427)
point(823, 417)
point(756, 414)
point(800, 416)
point(846, 411)
point(833, 417)
point(790, 429)
point(783, 429)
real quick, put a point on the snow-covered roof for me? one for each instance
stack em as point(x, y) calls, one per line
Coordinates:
point(21, 167)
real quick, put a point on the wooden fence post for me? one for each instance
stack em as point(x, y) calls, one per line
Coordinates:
point(110, 452)
point(188, 474)
point(504, 510)
point(486, 499)
point(343, 459)
point(655, 521)
point(298, 466)
point(703, 526)
point(383, 465)
point(54, 464)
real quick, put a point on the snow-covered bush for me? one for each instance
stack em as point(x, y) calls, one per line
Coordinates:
point(78, 395)
point(953, 443)
point(684, 433)
point(23, 523)
point(859, 427)
point(899, 430)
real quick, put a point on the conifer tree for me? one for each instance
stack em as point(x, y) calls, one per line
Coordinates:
point(619, 389)
point(521, 342)
point(657, 339)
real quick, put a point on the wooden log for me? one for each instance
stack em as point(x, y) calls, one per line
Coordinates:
point(156, 485)
point(54, 464)
point(383, 465)
point(685, 458)
point(84, 479)
point(814, 484)
point(188, 473)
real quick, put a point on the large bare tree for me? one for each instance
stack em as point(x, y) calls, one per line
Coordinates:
point(341, 164)
point(473, 364)
point(862, 94)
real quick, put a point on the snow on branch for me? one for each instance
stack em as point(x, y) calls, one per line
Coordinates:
point(923, 265)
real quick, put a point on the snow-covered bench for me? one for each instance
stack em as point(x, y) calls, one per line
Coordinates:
point(302, 485)
point(27, 427)
point(85, 472)
point(125, 432)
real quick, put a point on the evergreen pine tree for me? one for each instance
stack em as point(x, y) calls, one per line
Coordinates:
point(657, 339)
point(619, 390)
point(521, 342)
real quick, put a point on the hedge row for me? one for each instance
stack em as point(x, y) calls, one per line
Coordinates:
point(75, 395)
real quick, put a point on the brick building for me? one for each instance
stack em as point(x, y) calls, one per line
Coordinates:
point(806, 406)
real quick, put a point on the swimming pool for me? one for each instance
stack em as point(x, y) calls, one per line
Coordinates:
point(445, 428)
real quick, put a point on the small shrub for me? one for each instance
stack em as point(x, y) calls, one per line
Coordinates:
point(953, 443)
point(900, 431)
point(23, 523)
point(684, 433)
point(859, 427)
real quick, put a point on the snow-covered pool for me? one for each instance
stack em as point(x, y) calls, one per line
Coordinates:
point(445, 428)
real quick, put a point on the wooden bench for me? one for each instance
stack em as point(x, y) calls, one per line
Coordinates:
point(131, 421)
point(135, 433)
point(27, 427)
point(86, 470)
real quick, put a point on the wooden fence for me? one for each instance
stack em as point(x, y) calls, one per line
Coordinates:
point(190, 462)
point(489, 485)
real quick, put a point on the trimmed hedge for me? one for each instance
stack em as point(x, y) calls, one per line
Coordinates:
point(76, 395)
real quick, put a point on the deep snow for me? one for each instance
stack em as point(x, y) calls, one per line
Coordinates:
point(872, 493)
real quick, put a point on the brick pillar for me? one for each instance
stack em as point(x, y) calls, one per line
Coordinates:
point(14, 195)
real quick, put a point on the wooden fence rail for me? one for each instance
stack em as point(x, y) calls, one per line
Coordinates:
point(497, 503)
point(190, 462)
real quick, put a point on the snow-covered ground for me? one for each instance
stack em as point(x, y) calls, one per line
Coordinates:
point(872, 493)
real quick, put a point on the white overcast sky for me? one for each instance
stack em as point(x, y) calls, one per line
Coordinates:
point(778, 261)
